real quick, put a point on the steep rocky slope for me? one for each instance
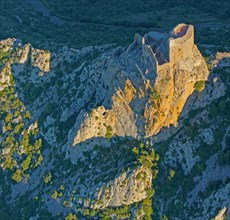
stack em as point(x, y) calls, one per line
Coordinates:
point(150, 83)
point(100, 112)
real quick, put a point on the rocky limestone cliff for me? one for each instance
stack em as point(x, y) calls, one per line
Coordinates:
point(97, 92)
point(125, 189)
point(40, 59)
point(147, 86)
point(221, 215)
point(22, 54)
point(174, 86)
point(126, 92)
point(106, 123)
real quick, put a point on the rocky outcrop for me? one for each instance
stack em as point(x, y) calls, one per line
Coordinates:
point(40, 59)
point(21, 54)
point(8, 44)
point(24, 53)
point(174, 85)
point(222, 59)
point(5, 76)
point(132, 92)
point(213, 90)
point(125, 189)
point(150, 82)
point(107, 123)
point(221, 215)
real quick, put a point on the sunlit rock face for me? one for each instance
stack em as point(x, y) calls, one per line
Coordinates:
point(125, 189)
point(148, 84)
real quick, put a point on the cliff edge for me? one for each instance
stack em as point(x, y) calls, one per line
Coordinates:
point(147, 84)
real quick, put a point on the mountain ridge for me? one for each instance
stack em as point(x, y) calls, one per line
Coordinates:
point(64, 95)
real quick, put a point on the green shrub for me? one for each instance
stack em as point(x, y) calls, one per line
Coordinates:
point(171, 173)
point(99, 202)
point(26, 163)
point(199, 85)
point(17, 176)
point(54, 194)
point(71, 216)
point(154, 94)
point(109, 132)
point(47, 178)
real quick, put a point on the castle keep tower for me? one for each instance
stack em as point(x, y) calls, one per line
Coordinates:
point(165, 50)
point(181, 43)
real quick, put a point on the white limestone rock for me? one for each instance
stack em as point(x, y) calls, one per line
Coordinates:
point(41, 59)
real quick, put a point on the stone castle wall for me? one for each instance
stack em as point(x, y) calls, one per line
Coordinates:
point(181, 47)
point(162, 66)
point(153, 58)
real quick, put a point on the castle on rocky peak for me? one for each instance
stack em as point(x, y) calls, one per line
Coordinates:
point(166, 49)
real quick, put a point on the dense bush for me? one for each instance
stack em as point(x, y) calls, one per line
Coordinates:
point(109, 132)
point(199, 85)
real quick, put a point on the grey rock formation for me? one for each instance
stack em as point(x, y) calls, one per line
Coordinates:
point(147, 85)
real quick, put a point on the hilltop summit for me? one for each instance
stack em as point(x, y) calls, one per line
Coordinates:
point(113, 133)
point(149, 83)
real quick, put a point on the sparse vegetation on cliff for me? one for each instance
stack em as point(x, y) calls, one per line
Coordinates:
point(199, 85)
point(4, 57)
point(109, 132)
point(146, 156)
point(21, 146)
point(71, 216)
point(154, 94)
point(108, 173)
point(47, 178)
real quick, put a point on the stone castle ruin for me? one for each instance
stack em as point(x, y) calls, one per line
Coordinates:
point(165, 49)
point(152, 80)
